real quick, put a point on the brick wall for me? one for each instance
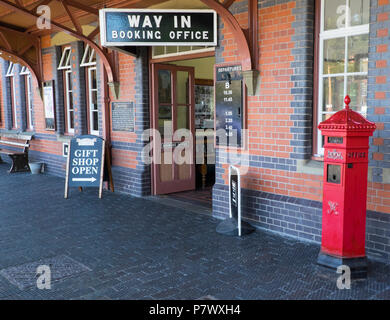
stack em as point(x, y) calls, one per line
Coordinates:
point(276, 195)
point(130, 174)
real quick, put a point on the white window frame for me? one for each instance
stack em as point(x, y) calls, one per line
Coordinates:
point(180, 53)
point(10, 74)
point(89, 57)
point(68, 91)
point(26, 72)
point(90, 92)
point(346, 32)
point(65, 59)
point(29, 101)
point(89, 61)
point(10, 70)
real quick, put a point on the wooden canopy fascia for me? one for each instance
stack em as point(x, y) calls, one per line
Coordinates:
point(245, 38)
point(77, 33)
point(16, 45)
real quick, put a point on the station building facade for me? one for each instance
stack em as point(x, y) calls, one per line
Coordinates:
point(309, 55)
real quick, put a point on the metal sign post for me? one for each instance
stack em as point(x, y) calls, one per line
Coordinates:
point(85, 165)
point(234, 226)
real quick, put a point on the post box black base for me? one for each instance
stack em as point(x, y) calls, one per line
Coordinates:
point(358, 266)
point(229, 227)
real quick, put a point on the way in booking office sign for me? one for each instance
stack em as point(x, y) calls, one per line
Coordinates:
point(85, 163)
point(147, 27)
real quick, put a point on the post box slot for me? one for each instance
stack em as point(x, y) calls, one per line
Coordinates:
point(335, 140)
point(334, 173)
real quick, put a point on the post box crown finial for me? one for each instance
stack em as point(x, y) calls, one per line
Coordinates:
point(347, 101)
point(347, 119)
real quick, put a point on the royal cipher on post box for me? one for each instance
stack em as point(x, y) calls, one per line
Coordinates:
point(346, 146)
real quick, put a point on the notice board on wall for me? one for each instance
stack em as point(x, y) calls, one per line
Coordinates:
point(229, 113)
point(48, 102)
point(123, 117)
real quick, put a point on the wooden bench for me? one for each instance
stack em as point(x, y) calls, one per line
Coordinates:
point(19, 159)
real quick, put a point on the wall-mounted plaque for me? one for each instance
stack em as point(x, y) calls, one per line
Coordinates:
point(122, 116)
point(229, 115)
point(48, 102)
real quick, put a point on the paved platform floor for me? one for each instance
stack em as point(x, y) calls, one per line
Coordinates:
point(128, 248)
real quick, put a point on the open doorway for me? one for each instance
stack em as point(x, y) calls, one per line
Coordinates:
point(183, 97)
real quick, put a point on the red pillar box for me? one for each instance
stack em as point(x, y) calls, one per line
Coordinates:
point(346, 147)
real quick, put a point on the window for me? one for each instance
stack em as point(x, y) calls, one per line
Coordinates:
point(92, 102)
point(29, 97)
point(69, 101)
point(10, 76)
point(343, 58)
point(65, 59)
point(68, 92)
point(89, 57)
point(168, 51)
point(89, 61)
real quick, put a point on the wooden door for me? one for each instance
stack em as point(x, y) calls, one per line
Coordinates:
point(172, 109)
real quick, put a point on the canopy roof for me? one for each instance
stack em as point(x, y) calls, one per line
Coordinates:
point(20, 37)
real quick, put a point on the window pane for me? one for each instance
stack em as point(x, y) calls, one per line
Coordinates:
point(71, 120)
point(184, 48)
point(182, 87)
point(334, 14)
point(358, 53)
point(182, 120)
point(171, 49)
point(334, 55)
point(93, 79)
point(164, 86)
point(95, 121)
point(165, 120)
point(360, 12)
point(333, 94)
point(70, 101)
point(157, 51)
point(93, 102)
point(357, 91)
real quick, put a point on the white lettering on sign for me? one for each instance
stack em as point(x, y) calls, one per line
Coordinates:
point(189, 35)
point(135, 21)
point(234, 192)
point(85, 162)
point(150, 35)
point(185, 22)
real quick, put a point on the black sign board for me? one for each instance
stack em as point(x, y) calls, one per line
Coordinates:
point(229, 106)
point(85, 163)
point(235, 196)
point(123, 116)
point(158, 27)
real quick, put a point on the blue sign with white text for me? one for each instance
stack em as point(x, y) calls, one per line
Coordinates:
point(85, 163)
